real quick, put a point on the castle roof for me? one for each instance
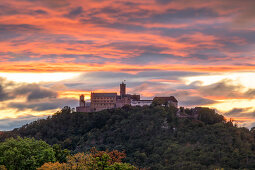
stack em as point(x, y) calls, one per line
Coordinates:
point(165, 99)
point(104, 94)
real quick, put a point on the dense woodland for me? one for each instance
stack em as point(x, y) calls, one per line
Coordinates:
point(31, 154)
point(151, 137)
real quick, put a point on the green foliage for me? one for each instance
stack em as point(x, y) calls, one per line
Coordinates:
point(60, 154)
point(209, 116)
point(152, 137)
point(120, 166)
point(25, 153)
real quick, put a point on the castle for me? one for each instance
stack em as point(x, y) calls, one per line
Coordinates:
point(102, 101)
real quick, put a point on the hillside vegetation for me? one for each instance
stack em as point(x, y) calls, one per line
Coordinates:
point(31, 154)
point(152, 137)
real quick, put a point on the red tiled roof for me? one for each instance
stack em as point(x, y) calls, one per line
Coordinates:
point(171, 98)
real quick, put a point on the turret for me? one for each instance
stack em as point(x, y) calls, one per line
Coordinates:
point(82, 101)
point(122, 89)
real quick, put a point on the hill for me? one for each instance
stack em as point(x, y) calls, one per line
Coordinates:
point(152, 137)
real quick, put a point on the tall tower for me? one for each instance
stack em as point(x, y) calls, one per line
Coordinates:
point(122, 89)
point(82, 101)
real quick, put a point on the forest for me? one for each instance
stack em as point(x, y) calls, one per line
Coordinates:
point(151, 137)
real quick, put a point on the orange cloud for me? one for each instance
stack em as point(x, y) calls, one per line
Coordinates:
point(79, 67)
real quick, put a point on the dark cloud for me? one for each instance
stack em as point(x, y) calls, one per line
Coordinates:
point(12, 31)
point(136, 46)
point(34, 92)
point(187, 98)
point(143, 53)
point(164, 1)
point(11, 123)
point(177, 16)
point(8, 10)
point(54, 3)
point(196, 101)
point(24, 56)
point(50, 3)
point(154, 57)
point(74, 12)
point(246, 12)
point(118, 25)
point(18, 34)
point(237, 111)
point(223, 88)
point(12, 90)
point(39, 98)
point(241, 112)
point(3, 94)
point(126, 15)
point(182, 94)
point(41, 12)
point(250, 93)
point(17, 28)
point(43, 105)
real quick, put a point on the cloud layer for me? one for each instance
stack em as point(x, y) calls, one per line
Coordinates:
point(216, 34)
point(157, 45)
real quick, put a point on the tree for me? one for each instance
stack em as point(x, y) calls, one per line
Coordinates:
point(2, 167)
point(209, 116)
point(60, 154)
point(253, 131)
point(25, 153)
point(100, 160)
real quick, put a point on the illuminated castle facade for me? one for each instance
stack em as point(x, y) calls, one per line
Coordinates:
point(102, 101)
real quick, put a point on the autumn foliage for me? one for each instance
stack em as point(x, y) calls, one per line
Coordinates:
point(95, 159)
point(114, 156)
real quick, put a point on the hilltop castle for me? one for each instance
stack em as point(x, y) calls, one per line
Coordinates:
point(102, 101)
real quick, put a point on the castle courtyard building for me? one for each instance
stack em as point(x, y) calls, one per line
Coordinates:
point(102, 101)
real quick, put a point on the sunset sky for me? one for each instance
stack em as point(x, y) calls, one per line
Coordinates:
point(51, 51)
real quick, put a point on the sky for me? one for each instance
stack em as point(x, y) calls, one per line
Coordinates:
point(201, 52)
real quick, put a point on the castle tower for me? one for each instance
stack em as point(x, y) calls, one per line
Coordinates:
point(82, 101)
point(122, 89)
